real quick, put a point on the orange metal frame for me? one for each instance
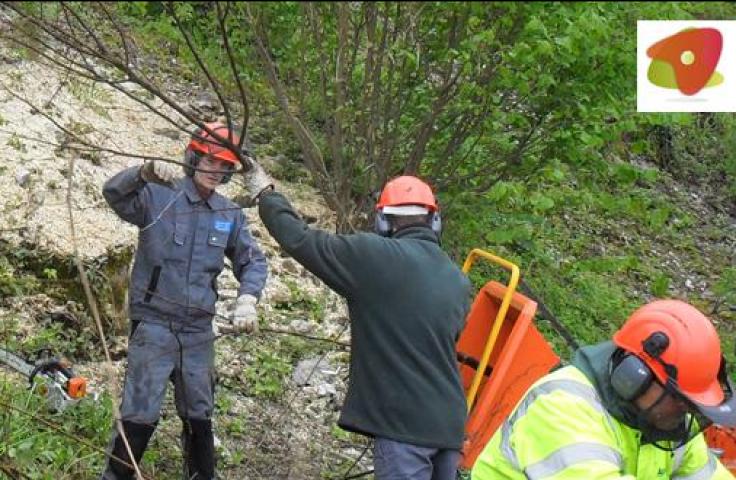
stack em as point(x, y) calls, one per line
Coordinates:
point(501, 354)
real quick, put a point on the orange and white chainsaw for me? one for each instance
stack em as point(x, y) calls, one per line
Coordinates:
point(51, 377)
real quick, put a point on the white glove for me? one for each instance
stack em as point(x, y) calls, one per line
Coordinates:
point(257, 180)
point(245, 317)
point(159, 172)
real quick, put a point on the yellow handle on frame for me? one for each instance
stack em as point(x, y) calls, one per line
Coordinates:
point(500, 317)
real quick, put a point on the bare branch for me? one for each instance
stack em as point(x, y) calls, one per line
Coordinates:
point(312, 152)
point(118, 28)
point(100, 44)
point(215, 86)
point(336, 139)
point(132, 76)
point(221, 17)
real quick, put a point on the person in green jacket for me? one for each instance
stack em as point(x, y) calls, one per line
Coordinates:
point(631, 408)
point(407, 302)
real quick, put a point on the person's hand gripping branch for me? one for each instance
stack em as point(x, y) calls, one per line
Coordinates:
point(245, 316)
point(257, 181)
point(157, 171)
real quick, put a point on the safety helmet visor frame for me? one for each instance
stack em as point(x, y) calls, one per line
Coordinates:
point(723, 413)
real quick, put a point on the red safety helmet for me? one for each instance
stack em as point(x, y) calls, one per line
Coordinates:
point(407, 190)
point(682, 349)
point(205, 144)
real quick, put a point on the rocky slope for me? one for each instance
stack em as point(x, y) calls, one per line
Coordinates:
point(286, 432)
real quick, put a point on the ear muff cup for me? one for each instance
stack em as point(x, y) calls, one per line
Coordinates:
point(382, 226)
point(631, 377)
point(436, 223)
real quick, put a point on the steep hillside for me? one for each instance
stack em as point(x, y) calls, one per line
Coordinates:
point(276, 405)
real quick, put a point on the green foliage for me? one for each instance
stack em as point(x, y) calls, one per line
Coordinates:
point(71, 341)
point(463, 93)
point(598, 252)
point(661, 286)
point(340, 434)
point(724, 287)
point(266, 374)
point(301, 301)
point(13, 283)
point(41, 452)
point(695, 148)
point(50, 273)
point(15, 142)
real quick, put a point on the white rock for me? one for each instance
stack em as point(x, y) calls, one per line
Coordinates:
point(21, 176)
point(313, 371)
point(325, 389)
point(301, 326)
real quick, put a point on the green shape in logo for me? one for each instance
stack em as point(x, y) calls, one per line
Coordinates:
point(662, 74)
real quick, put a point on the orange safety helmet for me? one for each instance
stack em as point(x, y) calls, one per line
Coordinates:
point(407, 190)
point(406, 195)
point(205, 144)
point(202, 143)
point(682, 349)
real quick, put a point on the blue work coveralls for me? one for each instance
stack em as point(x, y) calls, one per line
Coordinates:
point(182, 243)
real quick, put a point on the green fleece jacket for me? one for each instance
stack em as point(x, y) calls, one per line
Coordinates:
point(407, 303)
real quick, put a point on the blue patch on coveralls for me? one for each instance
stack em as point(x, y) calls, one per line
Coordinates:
point(222, 226)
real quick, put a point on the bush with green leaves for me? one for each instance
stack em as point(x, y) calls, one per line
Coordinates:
point(50, 446)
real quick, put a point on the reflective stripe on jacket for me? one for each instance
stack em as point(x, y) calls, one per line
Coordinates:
point(181, 248)
point(561, 431)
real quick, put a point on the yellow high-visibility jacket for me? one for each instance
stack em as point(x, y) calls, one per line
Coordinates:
point(561, 431)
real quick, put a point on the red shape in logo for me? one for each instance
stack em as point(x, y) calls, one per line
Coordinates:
point(704, 47)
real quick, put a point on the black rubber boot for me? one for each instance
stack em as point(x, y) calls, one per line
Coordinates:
point(198, 443)
point(138, 436)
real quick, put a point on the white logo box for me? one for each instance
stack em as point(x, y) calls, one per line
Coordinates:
point(651, 98)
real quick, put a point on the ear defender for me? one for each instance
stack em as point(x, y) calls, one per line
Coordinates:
point(631, 377)
point(436, 223)
point(382, 226)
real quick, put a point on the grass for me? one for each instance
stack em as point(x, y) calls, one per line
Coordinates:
point(42, 452)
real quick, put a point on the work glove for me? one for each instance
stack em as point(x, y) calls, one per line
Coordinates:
point(157, 171)
point(245, 317)
point(257, 181)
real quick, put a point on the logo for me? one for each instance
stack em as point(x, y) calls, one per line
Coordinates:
point(686, 66)
point(686, 60)
point(221, 226)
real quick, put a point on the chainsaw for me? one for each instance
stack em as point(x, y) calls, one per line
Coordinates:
point(52, 377)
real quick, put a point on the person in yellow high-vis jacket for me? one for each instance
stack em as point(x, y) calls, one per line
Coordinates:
point(633, 408)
